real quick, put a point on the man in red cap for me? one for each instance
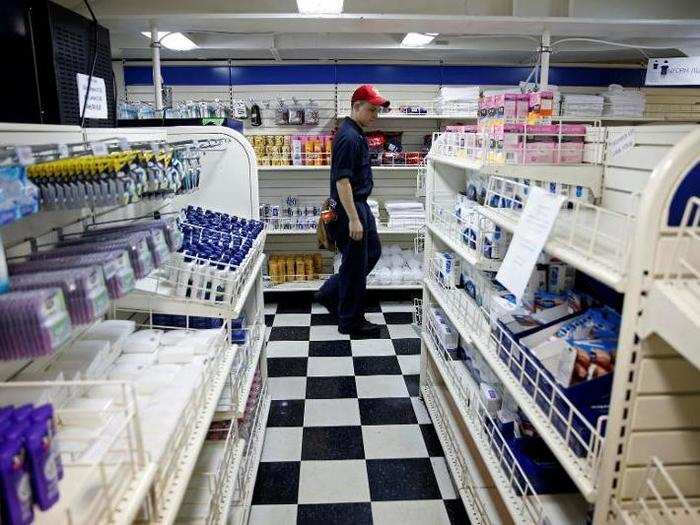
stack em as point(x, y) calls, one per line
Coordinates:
point(355, 231)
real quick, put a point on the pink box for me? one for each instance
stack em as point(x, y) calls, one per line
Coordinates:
point(570, 153)
point(539, 153)
point(522, 102)
point(513, 139)
point(498, 105)
point(510, 107)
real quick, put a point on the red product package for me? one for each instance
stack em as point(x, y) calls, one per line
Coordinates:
point(375, 140)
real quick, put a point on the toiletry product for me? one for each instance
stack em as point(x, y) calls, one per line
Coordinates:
point(15, 486)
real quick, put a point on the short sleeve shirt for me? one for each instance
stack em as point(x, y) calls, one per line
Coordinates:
point(350, 160)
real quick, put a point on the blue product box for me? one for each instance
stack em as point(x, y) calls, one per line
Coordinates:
point(540, 467)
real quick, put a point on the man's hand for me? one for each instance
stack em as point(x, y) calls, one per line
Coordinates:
point(356, 230)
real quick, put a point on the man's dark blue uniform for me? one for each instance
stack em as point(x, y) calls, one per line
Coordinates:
point(346, 290)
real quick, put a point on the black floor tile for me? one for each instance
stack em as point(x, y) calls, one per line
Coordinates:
point(277, 483)
point(456, 512)
point(376, 365)
point(398, 317)
point(330, 443)
point(287, 413)
point(402, 479)
point(412, 385)
point(290, 333)
point(286, 366)
point(297, 306)
point(432, 443)
point(387, 411)
point(269, 319)
point(408, 346)
point(324, 319)
point(329, 348)
point(335, 513)
point(383, 334)
point(331, 387)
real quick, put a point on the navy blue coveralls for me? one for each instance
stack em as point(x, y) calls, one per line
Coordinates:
point(348, 287)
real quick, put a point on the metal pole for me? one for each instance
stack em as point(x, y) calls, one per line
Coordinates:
point(545, 50)
point(157, 79)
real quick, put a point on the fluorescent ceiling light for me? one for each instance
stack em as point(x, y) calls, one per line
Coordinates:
point(174, 41)
point(418, 39)
point(320, 7)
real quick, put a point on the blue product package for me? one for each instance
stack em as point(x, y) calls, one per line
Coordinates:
point(43, 415)
point(42, 466)
point(540, 467)
point(15, 487)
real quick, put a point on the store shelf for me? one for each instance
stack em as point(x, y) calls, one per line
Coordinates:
point(473, 326)
point(240, 509)
point(382, 230)
point(158, 295)
point(464, 163)
point(314, 285)
point(456, 245)
point(327, 168)
point(173, 493)
point(423, 116)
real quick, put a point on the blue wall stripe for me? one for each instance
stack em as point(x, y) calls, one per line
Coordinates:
point(377, 74)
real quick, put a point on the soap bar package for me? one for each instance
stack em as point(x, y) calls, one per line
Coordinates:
point(83, 288)
point(115, 265)
point(33, 323)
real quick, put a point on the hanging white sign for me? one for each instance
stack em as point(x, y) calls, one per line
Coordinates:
point(97, 100)
point(684, 71)
point(530, 236)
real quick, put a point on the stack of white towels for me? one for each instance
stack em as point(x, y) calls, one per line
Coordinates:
point(458, 99)
point(405, 214)
point(397, 266)
point(620, 102)
point(374, 208)
point(582, 105)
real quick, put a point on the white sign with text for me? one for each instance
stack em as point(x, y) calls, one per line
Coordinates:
point(97, 100)
point(684, 71)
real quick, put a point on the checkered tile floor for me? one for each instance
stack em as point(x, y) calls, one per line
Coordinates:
point(348, 440)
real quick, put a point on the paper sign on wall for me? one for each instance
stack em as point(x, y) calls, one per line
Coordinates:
point(683, 71)
point(623, 142)
point(97, 100)
point(530, 236)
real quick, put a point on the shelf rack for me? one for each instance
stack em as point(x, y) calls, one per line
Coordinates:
point(396, 167)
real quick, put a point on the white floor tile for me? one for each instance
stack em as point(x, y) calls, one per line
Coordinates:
point(442, 474)
point(380, 386)
point(402, 331)
point(326, 333)
point(282, 444)
point(415, 512)
point(370, 347)
point(331, 412)
point(267, 514)
point(393, 441)
point(287, 387)
point(333, 482)
point(396, 306)
point(375, 317)
point(421, 412)
point(318, 309)
point(270, 308)
point(410, 364)
point(287, 349)
point(292, 320)
point(330, 366)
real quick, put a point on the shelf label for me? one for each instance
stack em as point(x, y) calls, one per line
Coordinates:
point(530, 236)
point(621, 144)
point(123, 144)
point(681, 71)
point(24, 155)
point(63, 151)
point(99, 148)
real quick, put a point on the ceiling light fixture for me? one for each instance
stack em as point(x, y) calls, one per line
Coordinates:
point(320, 7)
point(173, 40)
point(418, 39)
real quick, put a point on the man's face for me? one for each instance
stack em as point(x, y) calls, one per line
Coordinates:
point(366, 113)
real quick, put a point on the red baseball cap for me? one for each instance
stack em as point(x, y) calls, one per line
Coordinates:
point(367, 92)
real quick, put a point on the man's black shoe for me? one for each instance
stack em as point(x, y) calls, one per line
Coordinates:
point(326, 303)
point(364, 329)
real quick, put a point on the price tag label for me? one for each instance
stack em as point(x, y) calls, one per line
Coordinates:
point(63, 152)
point(123, 144)
point(195, 144)
point(99, 148)
point(155, 148)
point(25, 155)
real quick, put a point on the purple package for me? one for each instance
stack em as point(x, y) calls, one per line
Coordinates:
point(42, 466)
point(155, 238)
point(135, 244)
point(15, 487)
point(43, 415)
point(22, 413)
point(33, 323)
point(169, 227)
point(116, 268)
point(83, 288)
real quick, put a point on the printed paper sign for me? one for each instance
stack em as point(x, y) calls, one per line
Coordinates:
point(97, 100)
point(530, 236)
point(624, 142)
point(684, 71)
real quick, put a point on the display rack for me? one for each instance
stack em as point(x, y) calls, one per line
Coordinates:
point(151, 487)
point(621, 238)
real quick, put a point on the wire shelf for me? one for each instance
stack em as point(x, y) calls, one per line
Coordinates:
point(658, 500)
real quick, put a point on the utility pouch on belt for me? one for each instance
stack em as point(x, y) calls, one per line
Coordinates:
point(328, 216)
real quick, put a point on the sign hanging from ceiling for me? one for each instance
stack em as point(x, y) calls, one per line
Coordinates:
point(673, 72)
